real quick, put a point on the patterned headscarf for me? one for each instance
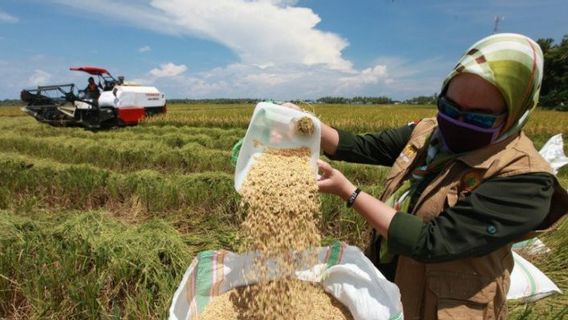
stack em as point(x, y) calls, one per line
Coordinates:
point(512, 63)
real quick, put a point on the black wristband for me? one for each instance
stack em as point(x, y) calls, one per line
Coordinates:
point(352, 198)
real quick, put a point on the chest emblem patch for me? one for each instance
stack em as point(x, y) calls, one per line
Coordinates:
point(471, 180)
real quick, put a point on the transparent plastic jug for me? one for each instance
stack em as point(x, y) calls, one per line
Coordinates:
point(274, 126)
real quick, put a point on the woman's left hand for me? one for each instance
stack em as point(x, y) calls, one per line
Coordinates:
point(333, 181)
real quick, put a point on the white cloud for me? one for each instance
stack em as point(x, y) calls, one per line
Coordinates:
point(144, 49)
point(260, 32)
point(365, 77)
point(168, 70)
point(393, 77)
point(281, 53)
point(281, 3)
point(39, 77)
point(281, 34)
point(282, 82)
point(7, 18)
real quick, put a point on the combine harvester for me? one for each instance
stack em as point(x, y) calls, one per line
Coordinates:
point(120, 103)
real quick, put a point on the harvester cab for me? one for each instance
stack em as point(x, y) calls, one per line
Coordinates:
point(105, 81)
point(118, 104)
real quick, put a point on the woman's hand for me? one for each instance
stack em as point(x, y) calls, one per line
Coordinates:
point(376, 212)
point(329, 136)
point(333, 181)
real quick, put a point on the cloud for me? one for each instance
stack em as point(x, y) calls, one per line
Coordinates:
point(281, 82)
point(168, 70)
point(281, 3)
point(391, 77)
point(39, 77)
point(388, 76)
point(7, 18)
point(281, 52)
point(144, 49)
point(365, 77)
point(282, 33)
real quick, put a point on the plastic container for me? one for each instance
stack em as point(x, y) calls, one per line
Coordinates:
point(274, 126)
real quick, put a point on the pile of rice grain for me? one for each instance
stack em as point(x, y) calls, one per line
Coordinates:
point(281, 200)
point(233, 305)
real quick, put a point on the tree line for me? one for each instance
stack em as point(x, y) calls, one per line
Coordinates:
point(328, 100)
point(554, 91)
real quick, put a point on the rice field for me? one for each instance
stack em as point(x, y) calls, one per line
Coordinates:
point(104, 224)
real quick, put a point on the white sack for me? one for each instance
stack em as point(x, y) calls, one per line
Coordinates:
point(528, 283)
point(343, 271)
point(553, 152)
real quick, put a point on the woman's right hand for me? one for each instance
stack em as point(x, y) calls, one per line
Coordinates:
point(329, 136)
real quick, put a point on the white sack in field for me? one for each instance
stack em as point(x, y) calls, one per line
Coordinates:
point(553, 152)
point(528, 283)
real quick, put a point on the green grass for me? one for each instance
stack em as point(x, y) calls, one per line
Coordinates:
point(104, 224)
point(87, 265)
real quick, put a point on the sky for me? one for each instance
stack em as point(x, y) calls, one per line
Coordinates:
point(266, 49)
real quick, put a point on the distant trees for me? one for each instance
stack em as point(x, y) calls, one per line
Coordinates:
point(329, 100)
point(333, 100)
point(356, 100)
point(10, 102)
point(554, 92)
point(217, 101)
point(422, 99)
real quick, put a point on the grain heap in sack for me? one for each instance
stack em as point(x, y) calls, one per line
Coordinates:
point(282, 207)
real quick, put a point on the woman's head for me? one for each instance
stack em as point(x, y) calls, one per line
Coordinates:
point(513, 64)
point(499, 75)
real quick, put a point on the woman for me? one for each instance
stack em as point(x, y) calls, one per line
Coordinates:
point(463, 186)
